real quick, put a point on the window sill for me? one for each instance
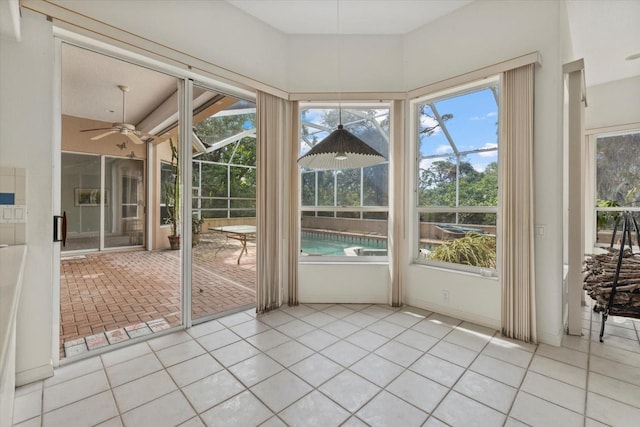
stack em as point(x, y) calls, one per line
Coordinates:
point(483, 273)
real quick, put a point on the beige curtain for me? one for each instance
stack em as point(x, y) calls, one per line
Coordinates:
point(396, 211)
point(517, 269)
point(273, 124)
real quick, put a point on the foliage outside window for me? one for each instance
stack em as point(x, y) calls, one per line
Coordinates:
point(457, 179)
point(224, 179)
point(617, 181)
point(344, 211)
point(166, 178)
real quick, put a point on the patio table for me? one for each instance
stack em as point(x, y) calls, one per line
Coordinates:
point(237, 232)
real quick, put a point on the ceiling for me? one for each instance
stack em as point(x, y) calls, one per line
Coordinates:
point(355, 16)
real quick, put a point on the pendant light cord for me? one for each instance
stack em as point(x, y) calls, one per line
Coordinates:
point(339, 64)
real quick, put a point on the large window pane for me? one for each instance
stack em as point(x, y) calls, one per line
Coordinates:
point(344, 198)
point(458, 178)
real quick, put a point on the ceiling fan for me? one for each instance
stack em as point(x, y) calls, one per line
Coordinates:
point(123, 128)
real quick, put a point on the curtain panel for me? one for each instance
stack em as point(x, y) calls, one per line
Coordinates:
point(517, 269)
point(274, 243)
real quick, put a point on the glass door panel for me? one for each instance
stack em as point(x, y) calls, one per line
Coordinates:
point(80, 200)
point(124, 208)
point(223, 204)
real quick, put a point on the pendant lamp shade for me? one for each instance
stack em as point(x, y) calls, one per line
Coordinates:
point(340, 150)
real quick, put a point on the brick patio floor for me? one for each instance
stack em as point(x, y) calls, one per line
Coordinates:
point(119, 292)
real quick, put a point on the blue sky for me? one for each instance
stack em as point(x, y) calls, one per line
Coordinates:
point(473, 126)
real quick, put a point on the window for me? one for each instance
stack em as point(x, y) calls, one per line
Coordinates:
point(344, 212)
point(617, 181)
point(166, 178)
point(129, 197)
point(224, 176)
point(457, 178)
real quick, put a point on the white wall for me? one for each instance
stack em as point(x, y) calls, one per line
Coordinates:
point(472, 37)
point(26, 141)
point(344, 283)
point(368, 64)
point(613, 104)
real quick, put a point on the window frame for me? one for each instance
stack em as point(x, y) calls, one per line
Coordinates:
point(414, 128)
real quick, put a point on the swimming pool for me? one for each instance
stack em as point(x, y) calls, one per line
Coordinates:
point(342, 245)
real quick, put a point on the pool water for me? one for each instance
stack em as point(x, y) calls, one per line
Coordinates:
point(327, 245)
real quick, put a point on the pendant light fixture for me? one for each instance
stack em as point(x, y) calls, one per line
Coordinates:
point(341, 149)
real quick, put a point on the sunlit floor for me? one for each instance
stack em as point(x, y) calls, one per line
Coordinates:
point(353, 365)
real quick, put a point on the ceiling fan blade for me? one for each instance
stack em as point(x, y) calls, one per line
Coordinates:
point(133, 137)
point(90, 130)
point(102, 135)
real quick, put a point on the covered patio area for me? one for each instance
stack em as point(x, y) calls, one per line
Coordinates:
point(110, 297)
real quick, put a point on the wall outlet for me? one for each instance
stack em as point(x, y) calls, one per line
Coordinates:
point(445, 296)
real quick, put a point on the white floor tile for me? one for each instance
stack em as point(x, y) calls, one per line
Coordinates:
point(611, 412)
point(349, 390)
point(33, 422)
point(555, 391)
point(354, 422)
point(235, 319)
point(211, 390)
point(273, 422)
point(318, 339)
point(281, 390)
point(289, 353)
point(361, 320)
point(193, 422)
point(298, 311)
point(458, 410)
point(367, 340)
point(386, 329)
point(87, 412)
point(316, 369)
point(133, 369)
point(338, 311)
point(313, 410)
point(614, 389)
point(241, 410)
point(405, 319)
point(168, 340)
point(485, 390)
point(616, 354)
point(179, 353)
point(417, 340)
point(498, 370)
point(143, 390)
point(113, 422)
point(194, 369)
point(318, 319)
point(255, 369)
point(560, 371)
point(378, 311)
point(376, 369)
point(474, 339)
point(205, 328)
point(387, 410)
point(453, 353)
point(218, 339)
point(437, 369)
point(295, 328)
point(399, 353)
point(268, 339)
point(565, 355)
point(507, 352)
point(418, 390)
point(233, 353)
point(537, 412)
point(247, 329)
point(344, 353)
point(614, 369)
point(340, 328)
point(434, 422)
point(87, 366)
point(433, 327)
point(27, 406)
point(74, 390)
point(275, 318)
point(169, 410)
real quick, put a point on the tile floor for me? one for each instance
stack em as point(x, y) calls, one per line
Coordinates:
point(350, 365)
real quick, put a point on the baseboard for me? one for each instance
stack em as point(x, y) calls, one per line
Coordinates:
point(34, 374)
